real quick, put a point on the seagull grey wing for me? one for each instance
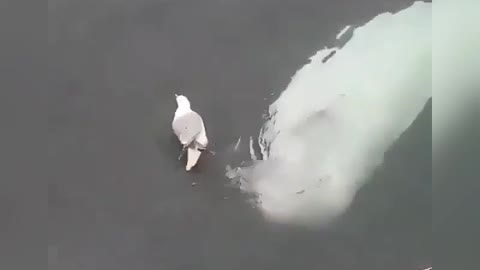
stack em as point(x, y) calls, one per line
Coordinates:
point(187, 127)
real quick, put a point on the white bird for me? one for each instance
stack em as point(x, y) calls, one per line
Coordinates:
point(190, 130)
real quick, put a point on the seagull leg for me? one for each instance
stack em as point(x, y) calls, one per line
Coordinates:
point(181, 153)
point(208, 150)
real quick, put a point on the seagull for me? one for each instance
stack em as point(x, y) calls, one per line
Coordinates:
point(190, 130)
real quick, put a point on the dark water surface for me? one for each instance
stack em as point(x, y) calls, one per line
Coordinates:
point(117, 196)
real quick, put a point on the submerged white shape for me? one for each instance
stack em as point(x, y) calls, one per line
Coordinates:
point(189, 127)
point(335, 120)
point(344, 30)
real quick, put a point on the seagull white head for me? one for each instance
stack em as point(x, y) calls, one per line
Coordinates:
point(182, 101)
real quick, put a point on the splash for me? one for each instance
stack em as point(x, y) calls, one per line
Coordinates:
point(342, 33)
point(330, 128)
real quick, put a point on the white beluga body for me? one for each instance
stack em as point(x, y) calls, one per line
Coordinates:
point(190, 130)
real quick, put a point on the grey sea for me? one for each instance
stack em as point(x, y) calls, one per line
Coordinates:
point(118, 198)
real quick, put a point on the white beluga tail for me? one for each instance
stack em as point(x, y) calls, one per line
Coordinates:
point(190, 130)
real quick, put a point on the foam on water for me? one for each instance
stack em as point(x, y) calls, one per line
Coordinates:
point(330, 128)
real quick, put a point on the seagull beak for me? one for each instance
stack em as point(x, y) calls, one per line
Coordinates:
point(176, 95)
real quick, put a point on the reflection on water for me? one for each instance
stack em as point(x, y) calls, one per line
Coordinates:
point(455, 67)
point(332, 124)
